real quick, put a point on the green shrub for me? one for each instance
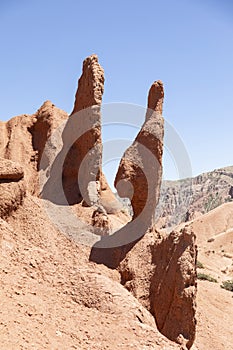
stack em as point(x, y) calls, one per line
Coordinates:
point(205, 277)
point(200, 265)
point(228, 285)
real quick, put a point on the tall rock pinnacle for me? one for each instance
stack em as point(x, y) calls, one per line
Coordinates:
point(82, 169)
point(140, 170)
point(90, 85)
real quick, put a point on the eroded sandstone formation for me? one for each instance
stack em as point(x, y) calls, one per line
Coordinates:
point(81, 178)
point(24, 137)
point(90, 85)
point(60, 160)
point(140, 170)
point(10, 170)
point(12, 188)
point(160, 272)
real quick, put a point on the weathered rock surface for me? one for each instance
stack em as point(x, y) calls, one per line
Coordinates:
point(24, 137)
point(45, 270)
point(140, 170)
point(12, 189)
point(86, 149)
point(160, 272)
point(46, 120)
point(11, 197)
point(53, 298)
point(101, 223)
point(186, 199)
point(173, 287)
point(90, 85)
point(10, 170)
point(61, 156)
point(155, 99)
point(83, 179)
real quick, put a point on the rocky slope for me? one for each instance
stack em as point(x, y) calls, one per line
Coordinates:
point(52, 297)
point(60, 224)
point(214, 232)
point(186, 199)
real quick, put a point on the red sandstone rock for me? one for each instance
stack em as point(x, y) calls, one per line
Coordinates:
point(90, 85)
point(160, 272)
point(82, 166)
point(10, 170)
point(12, 189)
point(140, 170)
point(155, 98)
point(24, 137)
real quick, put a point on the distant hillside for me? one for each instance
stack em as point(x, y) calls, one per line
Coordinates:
point(186, 199)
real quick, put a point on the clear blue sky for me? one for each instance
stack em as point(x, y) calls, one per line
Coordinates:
point(187, 44)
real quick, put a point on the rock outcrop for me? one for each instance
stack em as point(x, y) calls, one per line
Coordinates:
point(23, 140)
point(10, 170)
point(173, 286)
point(140, 170)
point(160, 272)
point(12, 188)
point(53, 298)
point(61, 155)
point(87, 148)
point(60, 163)
point(90, 85)
point(187, 199)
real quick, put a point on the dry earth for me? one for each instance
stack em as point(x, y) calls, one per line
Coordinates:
point(52, 297)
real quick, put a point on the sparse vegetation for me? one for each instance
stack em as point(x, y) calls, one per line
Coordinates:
point(228, 285)
point(205, 277)
point(212, 202)
point(200, 265)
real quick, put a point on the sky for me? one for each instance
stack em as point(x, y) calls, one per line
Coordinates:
point(186, 44)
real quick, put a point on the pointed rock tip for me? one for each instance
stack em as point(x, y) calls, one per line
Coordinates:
point(45, 106)
point(158, 82)
point(157, 85)
point(91, 59)
point(155, 96)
